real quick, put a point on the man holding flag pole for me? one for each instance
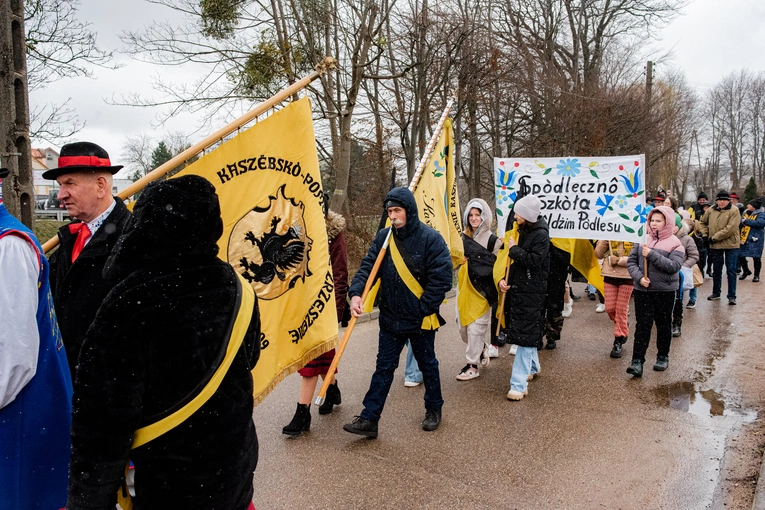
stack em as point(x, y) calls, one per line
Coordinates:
point(414, 277)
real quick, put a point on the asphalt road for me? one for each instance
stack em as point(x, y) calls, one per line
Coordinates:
point(587, 436)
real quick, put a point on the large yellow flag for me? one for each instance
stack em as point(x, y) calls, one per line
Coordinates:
point(436, 194)
point(274, 235)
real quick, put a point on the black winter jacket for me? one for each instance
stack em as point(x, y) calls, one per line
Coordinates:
point(528, 280)
point(78, 289)
point(400, 311)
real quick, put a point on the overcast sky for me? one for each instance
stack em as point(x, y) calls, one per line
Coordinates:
point(711, 39)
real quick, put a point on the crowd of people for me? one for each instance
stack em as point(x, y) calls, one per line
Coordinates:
point(107, 349)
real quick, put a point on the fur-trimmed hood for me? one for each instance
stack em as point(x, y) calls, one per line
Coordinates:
point(335, 224)
point(482, 234)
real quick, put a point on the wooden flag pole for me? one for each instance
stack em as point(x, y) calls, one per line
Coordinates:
point(376, 267)
point(327, 64)
point(504, 294)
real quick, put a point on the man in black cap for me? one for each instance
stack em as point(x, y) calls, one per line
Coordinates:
point(720, 224)
point(415, 274)
point(85, 176)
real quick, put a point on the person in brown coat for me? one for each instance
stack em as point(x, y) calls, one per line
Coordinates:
point(720, 223)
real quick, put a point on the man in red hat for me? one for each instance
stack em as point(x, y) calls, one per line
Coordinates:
point(734, 200)
point(85, 176)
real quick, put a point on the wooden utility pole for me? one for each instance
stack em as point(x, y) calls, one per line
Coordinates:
point(648, 139)
point(15, 148)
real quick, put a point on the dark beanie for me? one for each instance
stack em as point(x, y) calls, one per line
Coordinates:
point(392, 202)
point(702, 195)
point(756, 203)
point(722, 195)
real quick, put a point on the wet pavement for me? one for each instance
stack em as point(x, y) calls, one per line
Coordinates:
point(587, 436)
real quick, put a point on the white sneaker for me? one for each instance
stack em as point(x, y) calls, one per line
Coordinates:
point(600, 308)
point(568, 309)
point(485, 356)
point(513, 349)
point(469, 372)
point(493, 351)
point(411, 384)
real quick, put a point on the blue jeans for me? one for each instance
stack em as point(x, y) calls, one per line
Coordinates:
point(388, 352)
point(526, 362)
point(692, 294)
point(731, 264)
point(411, 369)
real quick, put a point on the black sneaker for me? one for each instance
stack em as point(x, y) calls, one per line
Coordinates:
point(432, 420)
point(676, 331)
point(362, 427)
point(550, 344)
point(691, 304)
point(755, 279)
point(732, 301)
point(662, 362)
point(636, 368)
point(714, 297)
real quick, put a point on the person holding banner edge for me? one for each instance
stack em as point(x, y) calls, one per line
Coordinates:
point(417, 262)
point(655, 284)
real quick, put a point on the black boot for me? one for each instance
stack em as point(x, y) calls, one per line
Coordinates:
point(676, 330)
point(331, 399)
point(550, 344)
point(301, 422)
point(619, 341)
point(662, 362)
point(432, 419)
point(636, 368)
point(362, 427)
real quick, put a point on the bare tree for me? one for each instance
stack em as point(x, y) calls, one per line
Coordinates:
point(59, 46)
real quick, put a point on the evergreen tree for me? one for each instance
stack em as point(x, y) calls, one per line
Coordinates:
point(750, 193)
point(160, 155)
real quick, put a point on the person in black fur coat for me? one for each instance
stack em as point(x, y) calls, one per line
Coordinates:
point(155, 338)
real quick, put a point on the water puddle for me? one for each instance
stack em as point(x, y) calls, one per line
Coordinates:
point(685, 397)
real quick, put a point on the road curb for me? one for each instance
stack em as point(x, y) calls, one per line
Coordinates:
point(759, 491)
point(374, 314)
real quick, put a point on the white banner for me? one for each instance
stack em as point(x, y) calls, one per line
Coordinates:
point(582, 198)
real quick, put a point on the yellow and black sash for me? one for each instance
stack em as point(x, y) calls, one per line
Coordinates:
point(430, 322)
point(476, 286)
point(237, 330)
point(746, 228)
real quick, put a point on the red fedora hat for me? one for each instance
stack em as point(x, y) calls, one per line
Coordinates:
point(82, 157)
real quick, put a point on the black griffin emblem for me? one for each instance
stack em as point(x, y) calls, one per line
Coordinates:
point(280, 252)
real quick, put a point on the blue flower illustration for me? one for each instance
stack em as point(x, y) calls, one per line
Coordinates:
point(642, 212)
point(505, 195)
point(505, 179)
point(602, 204)
point(632, 183)
point(569, 167)
point(621, 201)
